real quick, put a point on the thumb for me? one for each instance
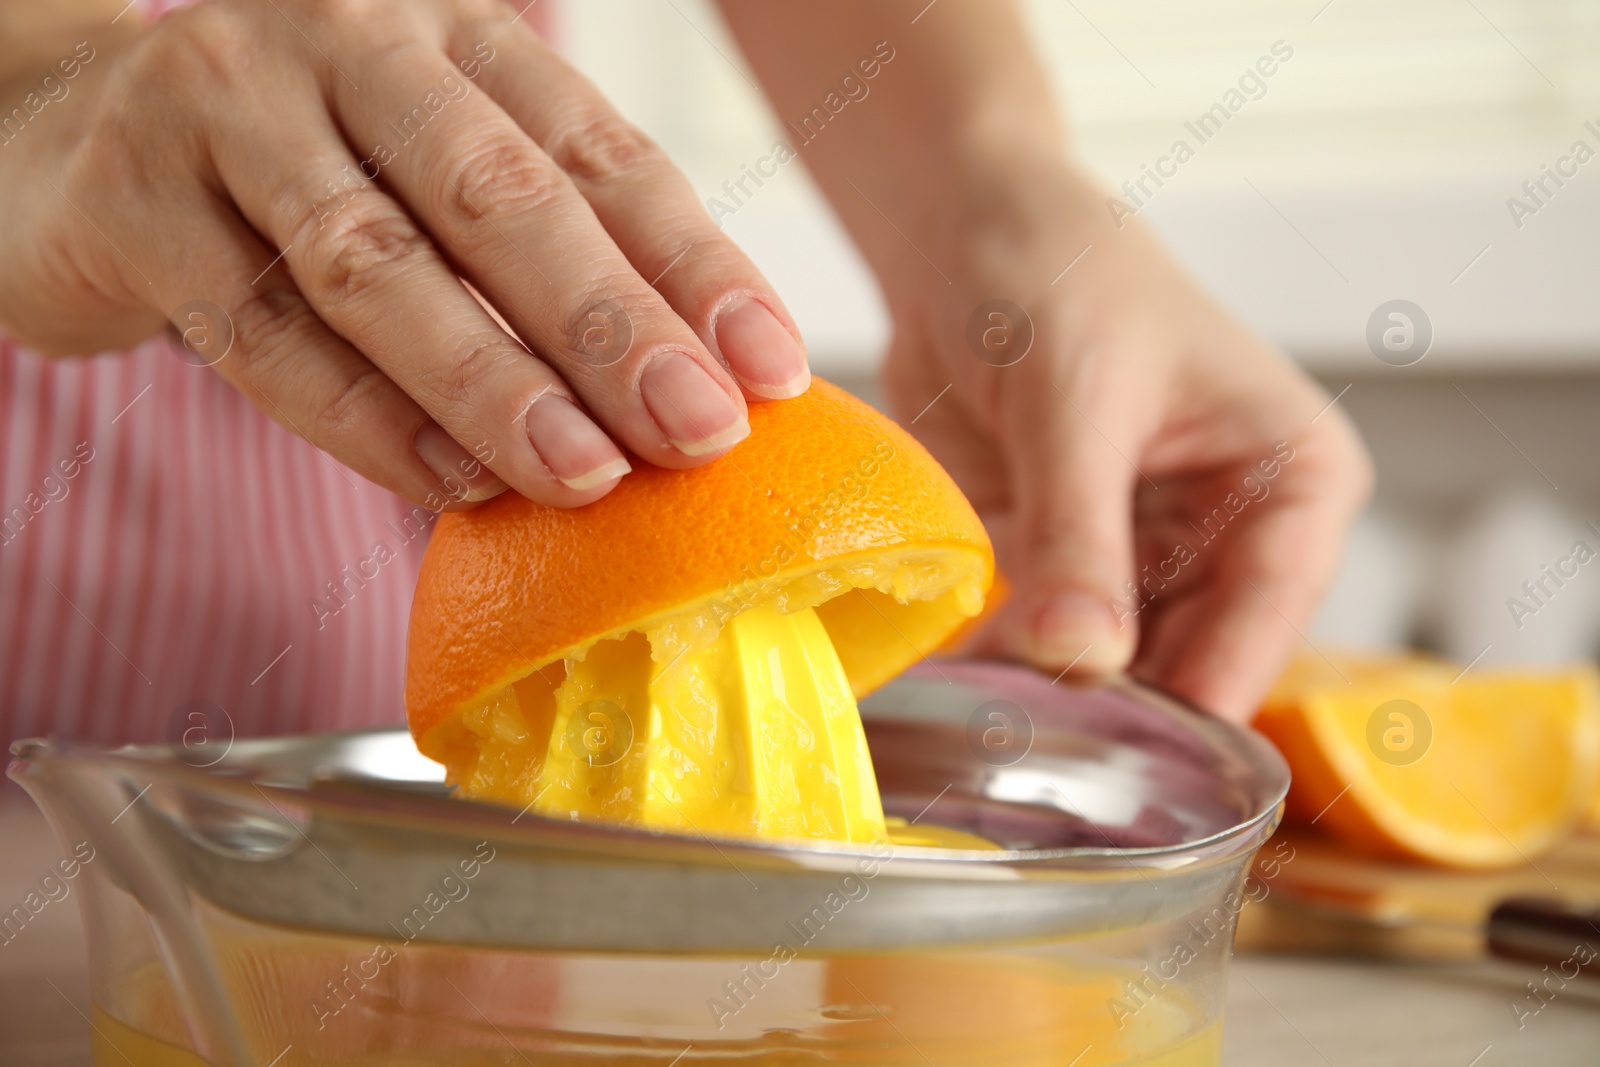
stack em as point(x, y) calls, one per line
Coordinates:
point(1073, 538)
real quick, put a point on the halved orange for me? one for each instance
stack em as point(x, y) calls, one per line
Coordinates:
point(684, 653)
point(1408, 756)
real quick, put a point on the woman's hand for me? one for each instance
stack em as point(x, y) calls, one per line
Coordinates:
point(1163, 487)
point(1139, 408)
point(299, 187)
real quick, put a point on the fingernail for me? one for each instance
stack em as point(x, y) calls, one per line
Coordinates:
point(765, 356)
point(464, 478)
point(1080, 630)
point(690, 407)
point(577, 451)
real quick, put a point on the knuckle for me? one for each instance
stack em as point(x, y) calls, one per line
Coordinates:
point(702, 263)
point(207, 44)
point(601, 329)
point(107, 158)
point(343, 414)
point(455, 379)
point(270, 333)
point(146, 119)
point(507, 175)
point(267, 325)
point(603, 148)
point(354, 250)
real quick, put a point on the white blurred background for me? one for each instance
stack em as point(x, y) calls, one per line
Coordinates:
point(1376, 166)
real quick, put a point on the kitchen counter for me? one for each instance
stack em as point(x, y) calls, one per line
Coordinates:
point(1304, 1010)
point(1281, 1009)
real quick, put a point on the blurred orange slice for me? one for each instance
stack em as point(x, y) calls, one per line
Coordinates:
point(1406, 755)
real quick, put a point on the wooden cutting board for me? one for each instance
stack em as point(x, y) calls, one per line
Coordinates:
point(1309, 894)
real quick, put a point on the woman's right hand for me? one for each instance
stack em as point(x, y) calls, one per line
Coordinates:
point(299, 187)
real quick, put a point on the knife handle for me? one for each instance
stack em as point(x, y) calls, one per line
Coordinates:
point(1563, 937)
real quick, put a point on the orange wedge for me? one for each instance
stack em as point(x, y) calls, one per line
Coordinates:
point(1408, 756)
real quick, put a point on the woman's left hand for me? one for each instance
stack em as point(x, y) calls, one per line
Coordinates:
point(1165, 489)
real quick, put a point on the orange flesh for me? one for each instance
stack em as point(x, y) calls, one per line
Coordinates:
point(750, 729)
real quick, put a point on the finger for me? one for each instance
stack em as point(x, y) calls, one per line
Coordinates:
point(1073, 537)
point(513, 223)
point(373, 276)
point(1222, 643)
point(652, 213)
point(270, 345)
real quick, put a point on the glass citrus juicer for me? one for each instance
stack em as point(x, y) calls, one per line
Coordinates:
point(323, 899)
point(671, 834)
